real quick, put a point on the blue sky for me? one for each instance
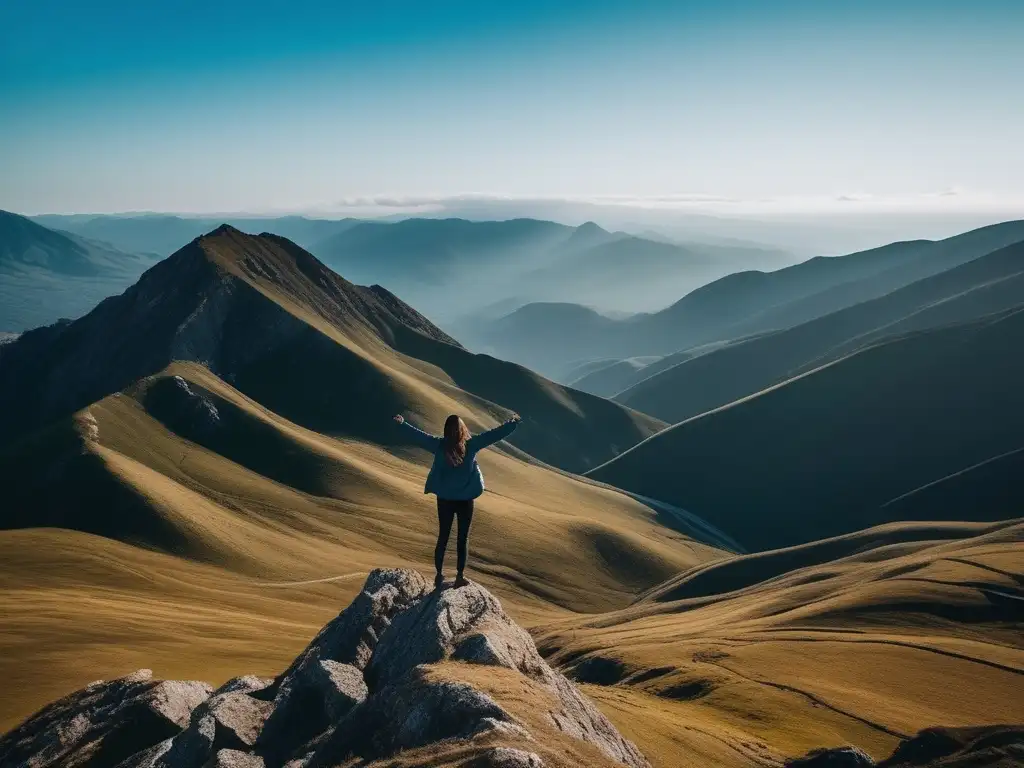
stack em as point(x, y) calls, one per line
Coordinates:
point(308, 106)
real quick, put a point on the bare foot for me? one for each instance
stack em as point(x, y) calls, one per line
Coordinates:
point(461, 581)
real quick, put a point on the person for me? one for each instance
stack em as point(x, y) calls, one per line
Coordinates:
point(455, 478)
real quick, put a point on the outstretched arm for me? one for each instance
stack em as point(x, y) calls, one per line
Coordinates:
point(490, 437)
point(418, 436)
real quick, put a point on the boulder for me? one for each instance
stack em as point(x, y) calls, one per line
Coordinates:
point(412, 713)
point(326, 680)
point(104, 723)
point(470, 625)
point(466, 624)
point(232, 758)
point(254, 686)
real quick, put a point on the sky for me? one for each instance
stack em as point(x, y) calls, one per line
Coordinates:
point(730, 106)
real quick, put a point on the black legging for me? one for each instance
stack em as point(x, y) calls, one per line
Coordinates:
point(447, 509)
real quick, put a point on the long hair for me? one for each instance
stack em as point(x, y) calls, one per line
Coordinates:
point(456, 434)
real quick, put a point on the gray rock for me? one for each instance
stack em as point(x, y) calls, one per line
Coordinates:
point(467, 624)
point(232, 758)
point(342, 687)
point(321, 685)
point(238, 718)
point(245, 684)
point(192, 747)
point(840, 757)
point(147, 758)
point(104, 723)
point(470, 625)
point(412, 713)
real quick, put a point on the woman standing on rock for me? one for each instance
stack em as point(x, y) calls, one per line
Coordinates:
point(456, 479)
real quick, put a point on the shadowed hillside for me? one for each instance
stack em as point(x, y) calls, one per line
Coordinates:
point(822, 453)
point(989, 284)
point(213, 451)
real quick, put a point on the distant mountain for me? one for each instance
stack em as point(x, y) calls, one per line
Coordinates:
point(266, 316)
point(28, 247)
point(436, 251)
point(980, 287)
point(824, 453)
point(433, 261)
point(746, 303)
point(164, 234)
point(46, 274)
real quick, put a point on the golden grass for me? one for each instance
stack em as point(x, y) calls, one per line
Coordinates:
point(199, 602)
point(865, 649)
point(208, 558)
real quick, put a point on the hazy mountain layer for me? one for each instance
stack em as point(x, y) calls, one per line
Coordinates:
point(739, 305)
point(46, 275)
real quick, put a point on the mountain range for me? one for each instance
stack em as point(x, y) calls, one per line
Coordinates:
point(200, 472)
point(736, 306)
point(987, 285)
point(453, 268)
point(485, 263)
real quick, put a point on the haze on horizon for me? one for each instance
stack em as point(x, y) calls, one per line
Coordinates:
point(737, 108)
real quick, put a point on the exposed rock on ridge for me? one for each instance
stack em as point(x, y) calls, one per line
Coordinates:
point(381, 679)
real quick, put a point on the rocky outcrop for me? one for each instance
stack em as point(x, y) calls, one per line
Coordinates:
point(104, 723)
point(997, 746)
point(380, 679)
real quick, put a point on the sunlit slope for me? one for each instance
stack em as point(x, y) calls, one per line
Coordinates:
point(904, 632)
point(823, 453)
point(196, 513)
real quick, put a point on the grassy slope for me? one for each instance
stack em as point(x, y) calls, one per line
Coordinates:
point(903, 633)
point(275, 502)
point(205, 535)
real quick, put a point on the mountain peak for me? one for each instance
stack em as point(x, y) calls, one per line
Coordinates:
point(223, 229)
point(223, 300)
point(587, 235)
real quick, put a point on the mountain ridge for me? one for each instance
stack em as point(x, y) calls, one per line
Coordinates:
point(851, 435)
point(991, 283)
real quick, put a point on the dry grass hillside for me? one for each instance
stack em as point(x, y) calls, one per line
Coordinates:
point(144, 521)
point(204, 470)
point(862, 641)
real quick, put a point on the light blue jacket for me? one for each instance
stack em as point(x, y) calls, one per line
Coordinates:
point(465, 481)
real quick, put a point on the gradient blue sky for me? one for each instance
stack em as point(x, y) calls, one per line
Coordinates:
point(269, 105)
